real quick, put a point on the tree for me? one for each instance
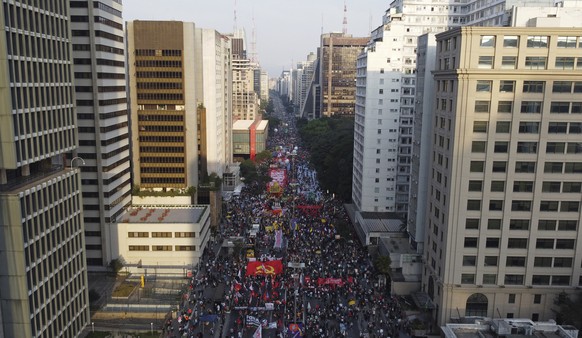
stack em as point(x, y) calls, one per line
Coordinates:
point(116, 265)
point(382, 264)
point(570, 309)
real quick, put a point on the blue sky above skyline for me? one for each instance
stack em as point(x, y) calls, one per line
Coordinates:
point(286, 31)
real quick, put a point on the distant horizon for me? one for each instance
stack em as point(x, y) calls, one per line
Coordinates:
point(278, 48)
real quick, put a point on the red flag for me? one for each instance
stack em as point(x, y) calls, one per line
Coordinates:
point(264, 268)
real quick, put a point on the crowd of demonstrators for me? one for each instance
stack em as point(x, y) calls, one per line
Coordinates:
point(329, 290)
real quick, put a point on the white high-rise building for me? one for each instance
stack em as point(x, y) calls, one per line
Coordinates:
point(385, 97)
point(103, 118)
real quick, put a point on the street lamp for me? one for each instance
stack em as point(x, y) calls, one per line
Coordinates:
point(76, 158)
point(152, 328)
point(92, 327)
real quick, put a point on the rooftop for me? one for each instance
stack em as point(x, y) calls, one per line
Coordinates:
point(380, 222)
point(478, 327)
point(164, 214)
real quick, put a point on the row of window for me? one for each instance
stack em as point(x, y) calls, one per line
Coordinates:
point(508, 86)
point(516, 279)
point(522, 205)
point(158, 52)
point(520, 261)
point(161, 234)
point(521, 243)
point(159, 63)
point(527, 107)
point(531, 62)
point(529, 167)
point(533, 127)
point(162, 248)
point(527, 186)
point(524, 224)
point(533, 41)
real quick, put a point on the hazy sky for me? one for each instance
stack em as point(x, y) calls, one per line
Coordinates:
point(285, 31)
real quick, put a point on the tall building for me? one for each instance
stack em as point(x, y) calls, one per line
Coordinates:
point(103, 119)
point(181, 92)
point(337, 55)
point(384, 109)
point(42, 244)
point(503, 213)
point(245, 104)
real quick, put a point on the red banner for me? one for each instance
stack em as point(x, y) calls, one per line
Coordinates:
point(333, 281)
point(264, 268)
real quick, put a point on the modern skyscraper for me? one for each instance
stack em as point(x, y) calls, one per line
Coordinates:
point(503, 213)
point(244, 98)
point(43, 276)
point(103, 119)
point(337, 57)
point(180, 85)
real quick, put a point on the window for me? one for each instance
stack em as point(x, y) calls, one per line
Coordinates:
point(523, 186)
point(575, 128)
point(560, 280)
point(491, 242)
point(559, 107)
point(500, 166)
point(540, 280)
point(508, 62)
point(567, 225)
point(511, 298)
point(480, 126)
point(576, 107)
point(470, 242)
point(482, 106)
point(469, 260)
point(535, 62)
point(533, 86)
point(185, 248)
point(573, 148)
point(501, 147)
point(138, 234)
point(184, 234)
point(564, 62)
point(514, 279)
point(549, 186)
point(543, 262)
point(506, 86)
point(161, 248)
point(497, 186)
point(557, 127)
point(487, 41)
point(472, 223)
point(475, 185)
point(562, 87)
point(544, 243)
point(505, 107)
point(467, 278)
point(572, 187)
point(139, 248)
point(494, 224)
point(549, 206)
point(531, 107)
point(496, 205)
point(562, 262)
point(546, 225)
point(537, 41)
point(477, 166)
point(527, 147)
point(483, 86)
point(569, 206)
point(519, 224)
point(555, 148)
point(503, 127)
point(573, 168)
point(161, 234)
point(510, 41)
point(517, 243)
point(564, 244)
point(529, 127)
point(515, 261)
point(485, 62)
point(478, 147)
point(491, 260)
point(489, 279)
point(553, 167)
point(474, 205)
point(525, 167)
point(566, 42)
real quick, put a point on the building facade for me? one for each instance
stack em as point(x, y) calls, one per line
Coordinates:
point(337, 55)
point(42, 243)
point(103, 120)
point(245, 105)
point(503, 216)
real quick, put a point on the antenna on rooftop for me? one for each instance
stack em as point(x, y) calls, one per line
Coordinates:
point(234, 28)
point(254, 42)
point(345, 25)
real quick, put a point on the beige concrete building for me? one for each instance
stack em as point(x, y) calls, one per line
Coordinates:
point(505, 184)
